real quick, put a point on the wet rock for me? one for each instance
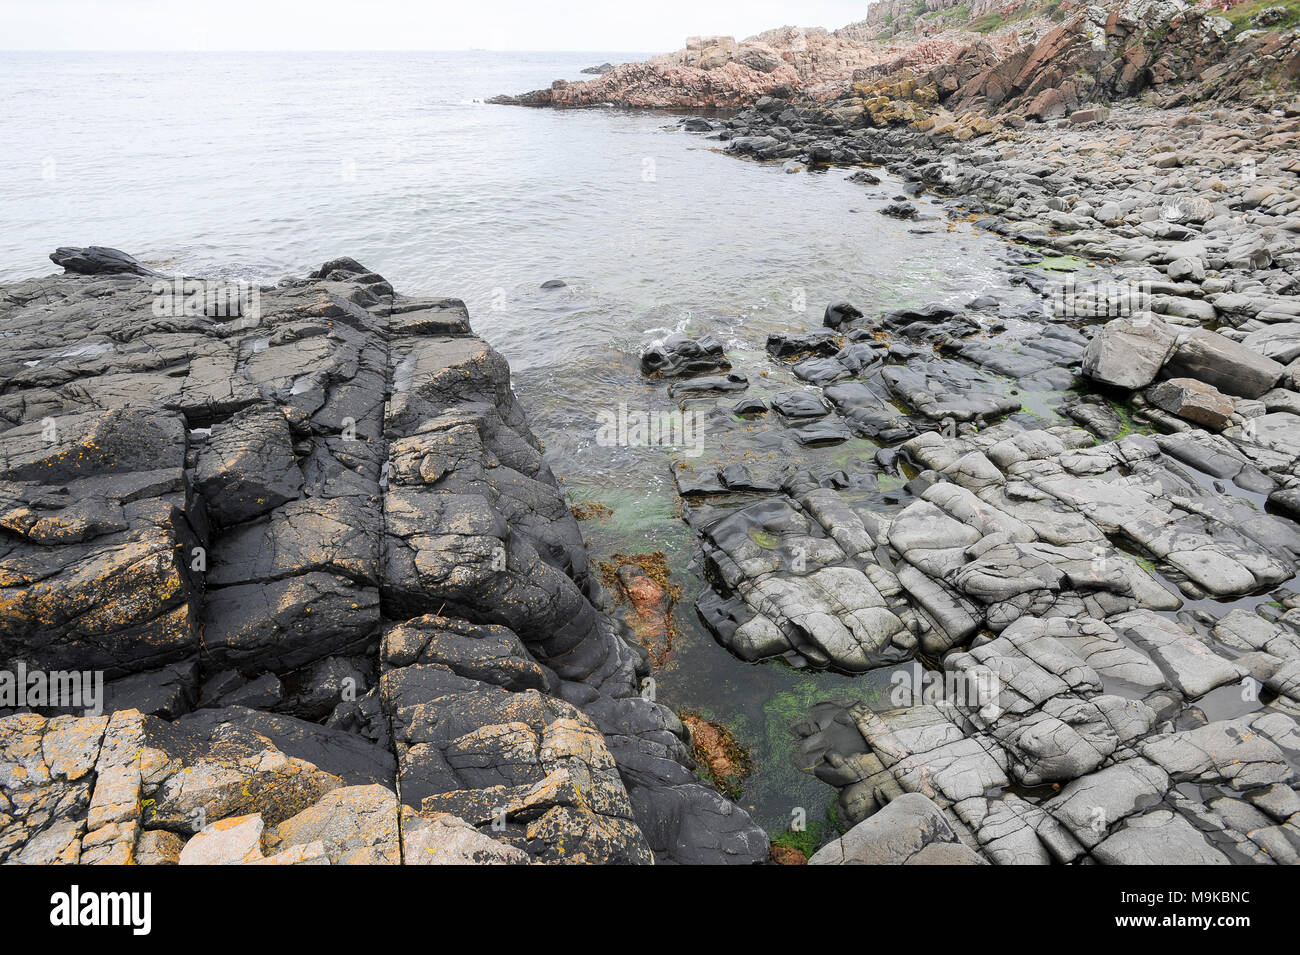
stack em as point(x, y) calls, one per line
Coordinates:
point(97, 260)
point(868, 413)
point(247, 467)
point(679, 354)
point(346, 489)
point(1287, 500)
point(899, 210)
point(946, 389)
point(822, 341)
point(1097, 416)
point(709, 385)
point(831, 612)
point(737, 477)
point(841, 313)
point(798, 405)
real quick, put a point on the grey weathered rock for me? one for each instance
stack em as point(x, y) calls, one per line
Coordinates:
point(442, 839)
point(1224, 364)
point(1059, 566)
point(1129, 352)
point(911, 830)
point(1159, 838)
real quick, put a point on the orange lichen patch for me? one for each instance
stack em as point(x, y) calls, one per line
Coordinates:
point(121, 586)
point(718, 752)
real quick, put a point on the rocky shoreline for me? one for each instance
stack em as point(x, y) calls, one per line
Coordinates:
point(1083, 580)
point(1062, 562)
point(345, 614)
point(343, 610)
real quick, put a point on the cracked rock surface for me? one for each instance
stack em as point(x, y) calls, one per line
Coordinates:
point(1066, 531)
point(343, 610)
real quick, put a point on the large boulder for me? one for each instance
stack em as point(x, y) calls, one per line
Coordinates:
point(1129, 352)
point(1227, 365)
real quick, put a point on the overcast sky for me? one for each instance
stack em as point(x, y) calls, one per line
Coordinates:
point(608, 25)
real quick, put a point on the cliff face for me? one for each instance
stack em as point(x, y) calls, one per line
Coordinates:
point(308, 537)
point(1096, 58)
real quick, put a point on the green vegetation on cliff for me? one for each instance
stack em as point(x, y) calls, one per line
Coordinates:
point(1241, 16)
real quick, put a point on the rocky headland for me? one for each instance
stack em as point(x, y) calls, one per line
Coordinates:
point(981, 57)
point(342, 608)
point(1074, 539)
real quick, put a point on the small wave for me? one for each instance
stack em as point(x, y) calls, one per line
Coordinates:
point(660, 332)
